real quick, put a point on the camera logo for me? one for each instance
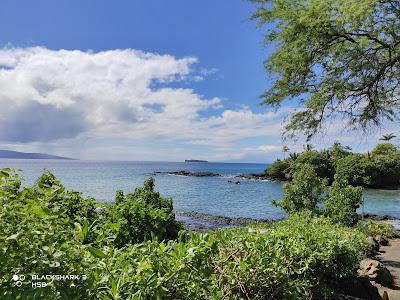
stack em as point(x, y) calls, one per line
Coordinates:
point(18, 279)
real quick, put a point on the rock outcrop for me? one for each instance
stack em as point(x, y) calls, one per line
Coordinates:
point(375, 271)
point(194, 174)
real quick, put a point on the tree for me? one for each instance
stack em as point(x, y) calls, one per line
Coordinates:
point(338, 151)
point(337, 58)
point(387, 137)
point(305, 191)
point(343, 201)
point(285, 149)
point(384, 149)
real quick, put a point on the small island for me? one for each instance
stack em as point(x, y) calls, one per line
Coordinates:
point(196, 160)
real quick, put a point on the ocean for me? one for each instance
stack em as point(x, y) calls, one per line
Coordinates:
point(210, 195)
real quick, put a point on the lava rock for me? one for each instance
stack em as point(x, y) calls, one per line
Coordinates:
point(382, 240)
point(375, 271)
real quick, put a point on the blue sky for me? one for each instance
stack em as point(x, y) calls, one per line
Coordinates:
point(137, 80)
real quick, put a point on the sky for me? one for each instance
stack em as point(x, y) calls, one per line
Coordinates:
point(140, 80)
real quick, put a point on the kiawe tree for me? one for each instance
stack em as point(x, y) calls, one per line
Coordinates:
point(338, 58)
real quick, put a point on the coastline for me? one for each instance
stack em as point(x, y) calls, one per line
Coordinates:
point(199, 222)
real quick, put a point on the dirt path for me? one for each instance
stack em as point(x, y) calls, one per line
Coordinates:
point(390, 257)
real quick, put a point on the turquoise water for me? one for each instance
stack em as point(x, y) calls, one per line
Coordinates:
point(213, 195)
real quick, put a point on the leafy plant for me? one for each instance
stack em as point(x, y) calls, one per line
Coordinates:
point(373, 228)
point(305, 191)
point(143, 214)
point(342, 202)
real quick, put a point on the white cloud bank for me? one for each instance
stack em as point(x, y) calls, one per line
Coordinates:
point(50, 95)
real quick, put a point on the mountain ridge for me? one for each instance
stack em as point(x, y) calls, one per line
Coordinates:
point(28, 155)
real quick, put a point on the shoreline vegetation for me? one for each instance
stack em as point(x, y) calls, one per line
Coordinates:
point(377, 169)
point(136, 248)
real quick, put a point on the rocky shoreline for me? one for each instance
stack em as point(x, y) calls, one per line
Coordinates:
point(197, 221)
point(189, 173)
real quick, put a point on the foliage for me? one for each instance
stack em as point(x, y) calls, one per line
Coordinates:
point(299, 258)
point(279, 170)
point(39, 234)
point(338, 151)
point(375, 171)
point(320, 161)
point(338, 58)
point(380, 169)
point(384, 149)
point(143, 214)
point(342, 202)
point(304, 192)
point(373, 228)
point(45, 230)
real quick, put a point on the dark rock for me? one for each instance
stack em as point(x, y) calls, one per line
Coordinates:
point(376, 217)
point(375, 271)
point(357, 288)
point(237, 182)
point(373, 243)
point(382, 240)
point(220, 220)
point(195, 174)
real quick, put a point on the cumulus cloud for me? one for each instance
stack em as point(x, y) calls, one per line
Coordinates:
point(48, 95)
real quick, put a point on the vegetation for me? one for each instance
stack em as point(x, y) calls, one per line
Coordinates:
point(46, 229)
point(306, 192)
point(337, 58)
point(378, 169)
point(373, 228)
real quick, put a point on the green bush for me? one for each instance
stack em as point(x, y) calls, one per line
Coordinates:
point(373, 228)
point(384, 149)
point(320, 161)
point(143, 214)
point(39, 235)
point(279, 170)
point(342, 202)
point(377, 171)
point(45, 230)
point(302, 257)
point(299, 258)
point(305, 191)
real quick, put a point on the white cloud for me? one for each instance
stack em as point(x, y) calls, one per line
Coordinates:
point(48, 95)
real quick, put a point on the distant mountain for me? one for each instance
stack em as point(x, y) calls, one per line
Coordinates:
point(195, 160)
point(22, 155)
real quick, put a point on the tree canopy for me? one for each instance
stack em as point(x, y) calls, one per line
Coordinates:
point(337, 58)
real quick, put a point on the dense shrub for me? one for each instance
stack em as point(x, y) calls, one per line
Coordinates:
point(355, 168)
point(44, 230)
point(279, 170)
point(143, 214)
point(304, 192)
point(299, 258)
point(39, 235)
point(320, 161)
point(343, 201)
point(384, 149)
point(378, 169)
point(373, 228)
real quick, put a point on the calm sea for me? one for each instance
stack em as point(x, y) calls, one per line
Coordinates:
point(212, 195)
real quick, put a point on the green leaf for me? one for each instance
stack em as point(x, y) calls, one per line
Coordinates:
point(96, 252)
